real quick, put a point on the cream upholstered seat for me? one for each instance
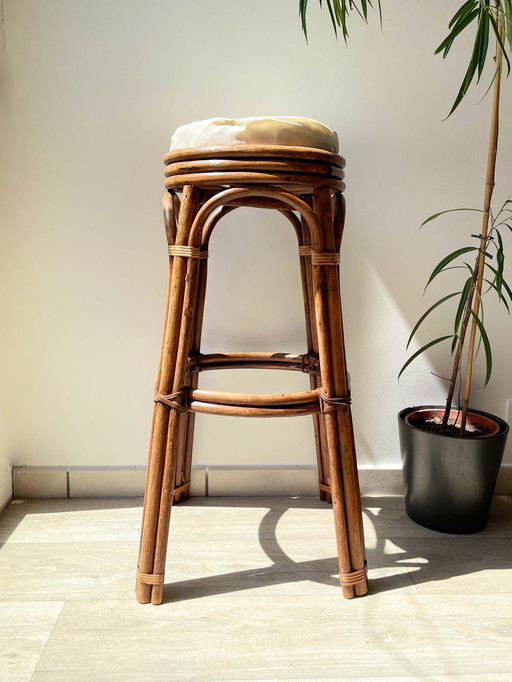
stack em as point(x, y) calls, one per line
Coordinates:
point(271, 130)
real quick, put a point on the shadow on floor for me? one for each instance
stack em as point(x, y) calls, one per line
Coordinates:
point(417, 555)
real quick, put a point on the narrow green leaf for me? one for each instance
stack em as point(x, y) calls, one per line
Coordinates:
point(454, 344)
point(500, 41)
point(483, 43)
point(422, 350)
point(462, 11)
point(448, 259)
point(426, 314)
point(462, 304)
point(450, 210)
point(487, 348)
point(504, 284)
point(500, 262)
point(501, 297)
point(458, 28)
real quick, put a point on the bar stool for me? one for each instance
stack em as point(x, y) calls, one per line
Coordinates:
point(290, 165)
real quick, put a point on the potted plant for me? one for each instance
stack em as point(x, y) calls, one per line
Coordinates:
point(452, 454)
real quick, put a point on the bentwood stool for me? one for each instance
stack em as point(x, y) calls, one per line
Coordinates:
point(292, 166)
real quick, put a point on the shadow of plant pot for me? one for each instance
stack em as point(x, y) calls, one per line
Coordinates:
point(449, 481)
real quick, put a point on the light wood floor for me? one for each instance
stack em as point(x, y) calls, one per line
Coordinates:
point(251, 594)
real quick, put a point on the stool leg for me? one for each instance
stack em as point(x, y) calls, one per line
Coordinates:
point(184, 469)
point(322, 455)
point(162, 458)
point(338, 422)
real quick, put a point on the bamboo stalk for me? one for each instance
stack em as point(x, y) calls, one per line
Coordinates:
point(489, 188)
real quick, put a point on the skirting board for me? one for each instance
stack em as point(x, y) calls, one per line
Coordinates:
point(212, 481)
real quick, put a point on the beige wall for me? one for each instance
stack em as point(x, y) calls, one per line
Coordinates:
point(92, 91)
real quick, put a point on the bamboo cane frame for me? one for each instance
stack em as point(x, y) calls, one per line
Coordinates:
point(172, 433)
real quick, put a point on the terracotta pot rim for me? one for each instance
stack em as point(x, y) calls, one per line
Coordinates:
point(495, 424)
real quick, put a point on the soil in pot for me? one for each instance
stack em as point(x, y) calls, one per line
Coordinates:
point(431, 420)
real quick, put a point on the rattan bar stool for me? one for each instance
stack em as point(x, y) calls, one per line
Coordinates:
point(289, 165)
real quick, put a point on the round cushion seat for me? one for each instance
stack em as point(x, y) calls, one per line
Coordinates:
point(271, 130)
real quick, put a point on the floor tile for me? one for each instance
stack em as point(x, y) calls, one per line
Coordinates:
point(460, 564)
point(25, 628)
point(271, 638)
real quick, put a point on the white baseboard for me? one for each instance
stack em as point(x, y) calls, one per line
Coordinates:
point(213, 481)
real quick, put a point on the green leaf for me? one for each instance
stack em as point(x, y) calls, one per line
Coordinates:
point(500, 296)
point(487, 348)
point(454, 343)
point(462, 11)
point(303, 6)
point(500, 41)
point(450, 210)
point(503, 282)
point(422, 350)
point(483, 43)
point(426, 314)
point(500, 262)
point(462, 303)
point(448, 259)
point(445, 46)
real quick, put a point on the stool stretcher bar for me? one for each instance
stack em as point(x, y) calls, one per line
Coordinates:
point(306, 362)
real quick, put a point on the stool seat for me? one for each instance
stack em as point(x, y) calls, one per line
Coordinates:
point(270, 130)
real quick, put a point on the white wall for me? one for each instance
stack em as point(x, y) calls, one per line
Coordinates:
point(92, 91)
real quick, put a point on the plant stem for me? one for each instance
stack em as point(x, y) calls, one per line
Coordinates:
point(473, 302)
point(489, 187)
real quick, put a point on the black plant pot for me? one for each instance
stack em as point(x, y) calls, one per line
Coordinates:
point(449, 481)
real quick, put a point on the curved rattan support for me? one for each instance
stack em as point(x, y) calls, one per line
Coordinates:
point(301, 183)
point(255, 152)
point(288, 166)
point(254, 399)
point(225, 197)
point(170, 208)
point(248, 411)
point(307, 362)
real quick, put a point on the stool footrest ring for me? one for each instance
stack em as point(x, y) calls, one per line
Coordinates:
point(306, 362)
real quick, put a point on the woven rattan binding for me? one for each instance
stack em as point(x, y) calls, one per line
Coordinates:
point(355, 577)
point(187, 251)
point(150, 578)
point(331, 403)
point(325, 258)
point(172, 400)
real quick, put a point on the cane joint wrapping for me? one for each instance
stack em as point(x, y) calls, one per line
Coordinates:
point(325, 257)
point(173, 400)
point(150, 578)
point(331, 403)
point(187, 251)
point(310, 363)
point(355, 577)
